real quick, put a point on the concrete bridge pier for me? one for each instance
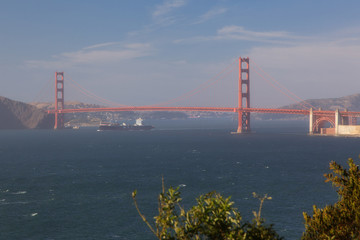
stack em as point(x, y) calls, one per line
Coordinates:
point(311, 122)
point(337, 118)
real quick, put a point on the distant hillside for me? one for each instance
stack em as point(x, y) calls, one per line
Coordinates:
point(19, 115)
point(94, 118)
point(351, 103)
point(73, 104)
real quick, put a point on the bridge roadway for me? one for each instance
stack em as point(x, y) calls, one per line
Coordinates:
point(206, 109)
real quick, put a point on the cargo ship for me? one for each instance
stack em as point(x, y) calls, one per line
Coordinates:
point(125, 127)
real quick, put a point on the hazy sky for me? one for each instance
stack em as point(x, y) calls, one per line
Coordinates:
point(139, 52)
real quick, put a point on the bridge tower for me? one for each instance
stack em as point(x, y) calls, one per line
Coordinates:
point(244, 96)
point(59, 100)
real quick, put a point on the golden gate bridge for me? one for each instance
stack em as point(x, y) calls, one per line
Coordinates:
point(317, 118)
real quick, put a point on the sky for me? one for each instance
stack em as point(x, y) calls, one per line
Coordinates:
point(142, 52)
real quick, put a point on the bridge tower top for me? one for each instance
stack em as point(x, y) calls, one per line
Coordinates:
point(244, 83)
point(59, 100)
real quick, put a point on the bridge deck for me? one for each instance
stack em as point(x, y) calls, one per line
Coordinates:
point(206, 109)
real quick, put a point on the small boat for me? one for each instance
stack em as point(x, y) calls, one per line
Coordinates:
point(72, 127)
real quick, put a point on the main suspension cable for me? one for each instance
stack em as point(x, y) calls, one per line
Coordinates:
point(282, 88)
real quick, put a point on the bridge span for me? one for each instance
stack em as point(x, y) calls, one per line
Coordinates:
point(206, 109)
point(318, 119)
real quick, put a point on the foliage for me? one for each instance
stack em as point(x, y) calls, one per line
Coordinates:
point(341, 220)
point(257, 215)
point(213, 217)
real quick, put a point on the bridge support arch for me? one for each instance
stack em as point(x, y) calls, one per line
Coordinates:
point(342, 123)
point(317, 123)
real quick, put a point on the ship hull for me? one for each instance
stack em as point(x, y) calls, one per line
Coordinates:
point(125, 128)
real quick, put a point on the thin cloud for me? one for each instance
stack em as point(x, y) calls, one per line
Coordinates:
point(167, 7)
point(239, 30)
point(161, 17)
point(90, 56)
point(240, 33)
point(211, 14)
point(101, 45)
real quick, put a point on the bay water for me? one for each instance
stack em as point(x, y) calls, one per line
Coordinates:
point(77, 184)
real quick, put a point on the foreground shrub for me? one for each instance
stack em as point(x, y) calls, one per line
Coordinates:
point(213, 217)
point(341, 220)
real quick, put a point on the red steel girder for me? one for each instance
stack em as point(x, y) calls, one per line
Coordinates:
point(205, 109)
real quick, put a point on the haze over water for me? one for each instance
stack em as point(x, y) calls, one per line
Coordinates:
point(78, 184)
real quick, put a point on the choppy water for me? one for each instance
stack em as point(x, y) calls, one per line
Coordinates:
point(78, 184)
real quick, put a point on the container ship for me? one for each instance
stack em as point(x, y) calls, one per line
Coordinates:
point(125, 127)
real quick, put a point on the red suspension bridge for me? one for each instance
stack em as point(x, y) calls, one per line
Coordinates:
point(339, 121)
